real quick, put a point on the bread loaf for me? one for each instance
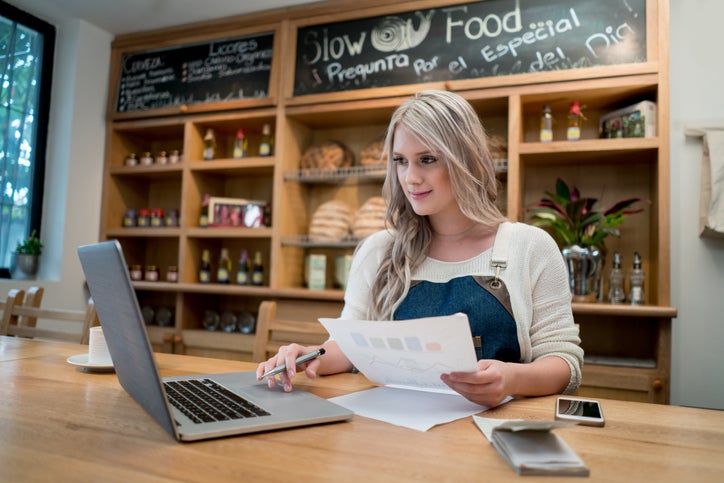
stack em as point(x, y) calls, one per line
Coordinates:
point(370, 217)
point(327, 155)
point(371, 155)
point(332, 220)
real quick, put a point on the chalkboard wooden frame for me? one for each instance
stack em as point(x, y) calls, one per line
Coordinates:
point(232, 59)
point(338, 44)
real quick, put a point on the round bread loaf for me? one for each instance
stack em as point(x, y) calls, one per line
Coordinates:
point(327, 155)
point(332, 220)
point(370, 217)
point(371, 155)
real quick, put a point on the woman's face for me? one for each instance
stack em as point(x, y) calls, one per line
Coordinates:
point(423, 175)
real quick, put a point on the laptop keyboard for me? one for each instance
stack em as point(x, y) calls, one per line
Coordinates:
point(205, 401)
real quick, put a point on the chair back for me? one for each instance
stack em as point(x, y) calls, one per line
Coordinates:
point(272, 333)
point(21, 312)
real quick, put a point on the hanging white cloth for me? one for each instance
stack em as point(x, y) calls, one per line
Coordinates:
point(711, 217)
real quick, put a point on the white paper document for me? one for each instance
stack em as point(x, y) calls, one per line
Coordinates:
point(408, 357)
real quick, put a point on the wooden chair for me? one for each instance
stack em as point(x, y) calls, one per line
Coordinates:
point(271, 332)
point(21, 312)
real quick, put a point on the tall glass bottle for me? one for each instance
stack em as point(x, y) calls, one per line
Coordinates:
point(266, 143)
point(574, 122)
point(223, 271)
point(257, 273)
point(616, 292)
point(240, 144)
point(636, 282)
point(243, 273)
point(546, 125)
point(205, 269)
point(209, 144)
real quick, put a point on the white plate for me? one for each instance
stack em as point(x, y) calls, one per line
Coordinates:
point(82, 361)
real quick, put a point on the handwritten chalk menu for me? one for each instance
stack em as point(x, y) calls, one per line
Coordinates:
point(471, 40)
point(216, 71)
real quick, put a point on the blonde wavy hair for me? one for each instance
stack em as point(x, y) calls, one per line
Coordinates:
point(446, 124)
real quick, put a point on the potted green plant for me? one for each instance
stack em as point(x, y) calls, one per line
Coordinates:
point(580, 232)
point(27, 252)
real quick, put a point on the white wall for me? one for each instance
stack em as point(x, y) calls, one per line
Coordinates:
point(697, 96)
point(75, 163)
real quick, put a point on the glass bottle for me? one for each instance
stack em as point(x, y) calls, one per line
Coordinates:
point(265, 145)
point(257, 273)
point(204, 215)
point(574, 122)
point(240, 144)
point(616, 292)
point(205, 270)
point(209, 144)
point(546, 125)
point(223, 272)
point(636, 282)
point(244, 270)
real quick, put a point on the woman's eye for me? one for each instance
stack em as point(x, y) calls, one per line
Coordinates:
point(428, 159)
point(399, 160)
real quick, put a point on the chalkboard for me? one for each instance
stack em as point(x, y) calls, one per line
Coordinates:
point(470, 40)
point(216, 71)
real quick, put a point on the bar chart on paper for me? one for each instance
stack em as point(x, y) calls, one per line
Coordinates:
point(406, 353)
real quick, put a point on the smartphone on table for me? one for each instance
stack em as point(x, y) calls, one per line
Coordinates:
point(583, 411)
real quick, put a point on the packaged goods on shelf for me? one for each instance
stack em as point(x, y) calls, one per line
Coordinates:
point(316, 271)
point(636, 121)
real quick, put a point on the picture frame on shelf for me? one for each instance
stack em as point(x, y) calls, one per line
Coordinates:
point(236, 212)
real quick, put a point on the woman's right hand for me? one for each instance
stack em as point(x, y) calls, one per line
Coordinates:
point(287, 355)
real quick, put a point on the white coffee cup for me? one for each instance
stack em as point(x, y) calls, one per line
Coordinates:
point(98, 354)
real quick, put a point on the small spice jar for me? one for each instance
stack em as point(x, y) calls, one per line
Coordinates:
point(172, 274)
point(136, 273)
point(144, 217)
point(157, 219)
point(147, 159)
point(131, 160)
point(130, 219)
point(172, 218)
point(162, 158)
point(174, 157)
point(151, 273)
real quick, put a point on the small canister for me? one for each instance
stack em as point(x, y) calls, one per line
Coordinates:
point(162, 158)
point(174, 157)
point(157, 218)
point(147, 159)
point(136, 273)
point(144, 217)
point(151, 273)
point(130, 219)
point(172, 218)
point(131, 160)
point(172, 274)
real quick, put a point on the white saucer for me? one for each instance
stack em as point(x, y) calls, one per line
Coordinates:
point(82, 361)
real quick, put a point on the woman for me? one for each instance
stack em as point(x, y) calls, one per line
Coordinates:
point(449, 249)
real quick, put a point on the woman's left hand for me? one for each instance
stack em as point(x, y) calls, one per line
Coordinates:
point(489, 385)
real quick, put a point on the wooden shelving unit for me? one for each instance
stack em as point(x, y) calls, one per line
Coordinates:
point(628, 347)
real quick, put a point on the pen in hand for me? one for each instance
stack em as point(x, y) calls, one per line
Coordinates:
point(300, 360)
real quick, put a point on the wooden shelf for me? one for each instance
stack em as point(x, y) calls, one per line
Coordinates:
point(623, 310)
point(509, 107)
point(608, 146)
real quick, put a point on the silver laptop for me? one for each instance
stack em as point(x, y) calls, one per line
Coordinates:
point(235, 403)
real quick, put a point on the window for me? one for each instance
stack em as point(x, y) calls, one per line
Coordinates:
point(26, 64)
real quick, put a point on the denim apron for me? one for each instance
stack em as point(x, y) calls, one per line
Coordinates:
point(484, 299)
